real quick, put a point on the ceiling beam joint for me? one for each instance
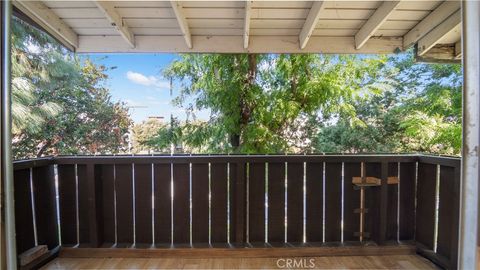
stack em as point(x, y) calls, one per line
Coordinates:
point(452, 23)
point(310, 23)
point(458, 49)
point(436, 17)
point(246, 27)
point(116, 21)
point(182, 21)
point(374, 22)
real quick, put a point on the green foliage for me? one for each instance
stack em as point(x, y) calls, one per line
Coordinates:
point(420, 112)
point(165, 137)
point(60, 105)
point(146, 132)
point(316, 103)
point(259, 103)
point(29, 114)
point(433, 118)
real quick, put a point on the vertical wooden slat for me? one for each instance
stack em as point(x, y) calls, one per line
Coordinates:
point(448, 213)
point(407, 201)
point(314, 202)
point(162, 204)
point(425, 221)
point(383, 205)
point(67, 194)
point(83, 207)
point(238, 203)
point(200, 210)
point(181, 203)
point(256, 202)
point(43, 179)
point(351, 220)
point(105, 175)
point(295, 203)
point(143, 205)
point(333, 201)
point(276, 202)
point(124, 190)
point(373, 203)
point(392, 204)
point(95, 219)
point(23, 211)
point(219, 178)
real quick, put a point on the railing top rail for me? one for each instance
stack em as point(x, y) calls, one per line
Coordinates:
point(440, 160)
point(232, 158)
point(32, 163)
point(222, 158)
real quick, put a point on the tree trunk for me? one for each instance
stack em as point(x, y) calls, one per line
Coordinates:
point(245, 108)
point(43, 148)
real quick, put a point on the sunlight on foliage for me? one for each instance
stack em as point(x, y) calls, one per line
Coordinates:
point(59, 103)
point(317, 103)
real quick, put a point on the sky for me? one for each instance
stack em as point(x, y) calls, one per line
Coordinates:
point(137, 81)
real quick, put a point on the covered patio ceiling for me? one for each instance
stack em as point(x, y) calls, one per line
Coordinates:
point(332, 26)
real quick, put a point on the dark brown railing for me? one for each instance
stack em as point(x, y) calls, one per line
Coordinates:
point(238, 201)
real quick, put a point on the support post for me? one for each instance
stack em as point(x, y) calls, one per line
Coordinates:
point(468, 244)
point(6, 145)
point(2, 220)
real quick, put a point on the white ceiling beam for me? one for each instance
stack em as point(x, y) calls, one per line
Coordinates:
point(182, 21)
point(46, 18)
point(458, 49)
point(116, 20)
point(452, 23)
point(440, 14)
point(374, 22)
point(246, 26)
point(310, 23)
point(234, 44)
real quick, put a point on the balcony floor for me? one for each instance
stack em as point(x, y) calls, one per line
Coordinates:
point(336, 262)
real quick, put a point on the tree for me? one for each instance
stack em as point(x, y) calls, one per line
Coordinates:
point(146, 131)
point(256, 101)
point(420, 111)
point(60, 104)
point(433, 118)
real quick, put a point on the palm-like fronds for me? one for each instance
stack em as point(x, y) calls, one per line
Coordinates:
point(28, 112)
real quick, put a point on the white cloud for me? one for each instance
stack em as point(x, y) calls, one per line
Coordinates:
point(141, 79)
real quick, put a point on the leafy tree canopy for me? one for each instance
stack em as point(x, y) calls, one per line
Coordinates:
point(420, 112)
point(316, 103)
point(59, 102)
point(258, 102)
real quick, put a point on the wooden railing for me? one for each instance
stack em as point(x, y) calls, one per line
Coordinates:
point(437, 212)
point(238, 201)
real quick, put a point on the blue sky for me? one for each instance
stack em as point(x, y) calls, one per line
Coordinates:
point(137, 81)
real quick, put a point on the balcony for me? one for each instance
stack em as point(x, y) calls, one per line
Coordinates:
point(237, 206)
